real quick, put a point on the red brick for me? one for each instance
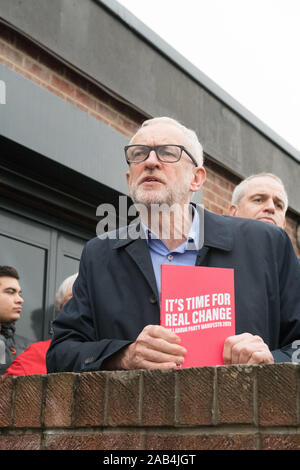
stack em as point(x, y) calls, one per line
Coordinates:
point(85, 99)
point(129, 126)
point(158, 407)
point(56, 92)
point(62, 85)
point(20, 442)
point(208, 195)
point(28, 401)
point(217, 209)
point(195, 400)
point(106, 112)
point(6, 388)
point(6, 62)
point(121, 130)
point(224, 183)
point(36, 69)
point(89, 399)
point(218, 189)
point(123, 398)
point(94, 441)
point(235, 394)
point(59, 400)
point(77, 104)
point(201, 441)
point(280, 442)
point(10, 53)
point(277, 394)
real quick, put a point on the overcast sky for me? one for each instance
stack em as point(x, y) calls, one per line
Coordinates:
point(250, 48)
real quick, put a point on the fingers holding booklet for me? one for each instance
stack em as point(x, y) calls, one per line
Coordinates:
point(155, 348)
point(246, 349)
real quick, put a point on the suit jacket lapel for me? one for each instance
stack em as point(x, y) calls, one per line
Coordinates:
point(136, 247)
point(139, 252)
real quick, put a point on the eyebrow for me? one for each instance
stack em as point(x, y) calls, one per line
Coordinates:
point(13, 289)
point(277, 198)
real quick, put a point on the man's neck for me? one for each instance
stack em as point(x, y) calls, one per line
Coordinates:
point(171, 225)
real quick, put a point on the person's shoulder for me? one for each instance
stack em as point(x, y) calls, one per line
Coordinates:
point(38, 346)
point(109, 239)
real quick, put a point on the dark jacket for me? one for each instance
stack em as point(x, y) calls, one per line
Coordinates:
point(14, 345)
point(115, 294)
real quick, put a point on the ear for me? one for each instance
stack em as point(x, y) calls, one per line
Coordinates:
point(233, 210)
point(127, 177)
point(198, 179)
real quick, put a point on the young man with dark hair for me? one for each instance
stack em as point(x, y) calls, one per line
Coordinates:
point(33, 359)
point(11, 302)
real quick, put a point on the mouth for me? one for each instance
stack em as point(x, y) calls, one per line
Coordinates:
point(151, 180)
point(268, 220)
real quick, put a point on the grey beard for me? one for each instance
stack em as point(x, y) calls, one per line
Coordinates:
point(171, 198)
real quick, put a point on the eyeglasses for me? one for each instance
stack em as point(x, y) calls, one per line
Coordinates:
point(164, 153)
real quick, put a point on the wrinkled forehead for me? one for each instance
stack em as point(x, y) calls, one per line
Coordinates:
point(265, 185)
point(160, 134)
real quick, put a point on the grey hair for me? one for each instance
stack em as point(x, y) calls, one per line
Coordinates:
point(240, 190)
point(62, 291)
point(195, 146)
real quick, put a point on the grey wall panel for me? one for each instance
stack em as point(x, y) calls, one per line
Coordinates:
point(51, 126)
point(107, 43)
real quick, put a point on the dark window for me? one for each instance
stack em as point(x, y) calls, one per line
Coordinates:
point(44, 257)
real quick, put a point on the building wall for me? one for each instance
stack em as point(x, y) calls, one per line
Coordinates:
point(30, 60)
point(208, 408)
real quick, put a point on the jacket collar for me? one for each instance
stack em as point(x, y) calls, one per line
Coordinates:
point(7, 329)
point(218, 231)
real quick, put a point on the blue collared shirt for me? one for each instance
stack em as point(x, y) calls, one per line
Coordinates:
point(184, 255)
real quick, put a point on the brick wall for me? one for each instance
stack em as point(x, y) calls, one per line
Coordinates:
point(225, 408)
point(28, 59)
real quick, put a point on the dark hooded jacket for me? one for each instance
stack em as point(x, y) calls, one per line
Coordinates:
point(11, 345)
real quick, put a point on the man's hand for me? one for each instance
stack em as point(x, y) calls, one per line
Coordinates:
point(155, 348)
point(246, 349)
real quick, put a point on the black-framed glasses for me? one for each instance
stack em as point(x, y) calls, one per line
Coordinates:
point(167, 153)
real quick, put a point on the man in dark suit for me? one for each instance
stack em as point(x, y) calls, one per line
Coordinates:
point(11, 304)
point(113, 319)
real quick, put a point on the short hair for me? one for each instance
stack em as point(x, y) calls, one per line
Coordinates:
point(240, 190)
point(9, 271)
point(195, 145)
point(62, 290)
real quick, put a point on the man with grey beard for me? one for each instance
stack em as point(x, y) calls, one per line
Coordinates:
point(113, 319)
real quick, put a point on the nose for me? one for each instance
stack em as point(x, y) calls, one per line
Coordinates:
point(152, 160)
point(270, 206)
point(19, 299)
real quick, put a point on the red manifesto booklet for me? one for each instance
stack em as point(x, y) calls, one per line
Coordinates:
point(197, 303)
